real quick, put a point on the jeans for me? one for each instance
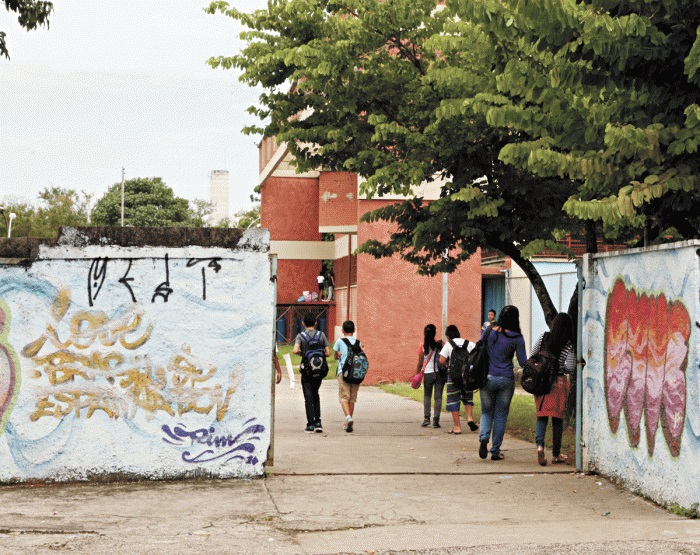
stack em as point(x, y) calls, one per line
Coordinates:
point(495, 404)
point(557, 431)
point(432, 383)
point(312, 402)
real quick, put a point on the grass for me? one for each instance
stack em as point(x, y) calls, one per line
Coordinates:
point(521, 419)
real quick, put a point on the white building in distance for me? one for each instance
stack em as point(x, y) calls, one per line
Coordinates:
point(218, 193)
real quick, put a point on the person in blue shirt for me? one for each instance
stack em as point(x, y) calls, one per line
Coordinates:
point(503, 341)
point(347, 392)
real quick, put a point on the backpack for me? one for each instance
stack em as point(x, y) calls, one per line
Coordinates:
point(478, 368)
point(356, 364)
point(313, 357)
point(540, 370)
point(458, 363)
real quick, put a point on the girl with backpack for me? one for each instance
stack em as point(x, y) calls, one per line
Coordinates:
point(559, 341)
point(502, 341)
point(433, 374)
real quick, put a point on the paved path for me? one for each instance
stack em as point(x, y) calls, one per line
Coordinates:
point(391, 487)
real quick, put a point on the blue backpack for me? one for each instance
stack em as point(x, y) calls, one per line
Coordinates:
point(313, 357)
point(356, 364)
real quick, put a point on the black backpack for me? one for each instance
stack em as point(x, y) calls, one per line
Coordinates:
point(478, 367)
point(313, 357)
point(356, 364)
point(540, 370)
point(458, 363)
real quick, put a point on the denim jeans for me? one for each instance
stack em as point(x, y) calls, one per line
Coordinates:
point(312, 402)
point(557, 431)
point(495, 404)
point(432, 383)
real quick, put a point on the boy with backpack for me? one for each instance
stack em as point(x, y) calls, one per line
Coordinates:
point(352, 367)
point(313, 347)
point(454, 354)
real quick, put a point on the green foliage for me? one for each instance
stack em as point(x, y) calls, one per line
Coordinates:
point(57, 207)
point(31, 14)
point(605, 94)
point(148, 202)
point(245, 219)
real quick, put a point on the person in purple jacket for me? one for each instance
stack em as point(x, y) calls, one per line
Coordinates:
point(504, 340)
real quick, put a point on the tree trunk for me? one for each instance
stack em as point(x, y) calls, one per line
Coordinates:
point(550, 311)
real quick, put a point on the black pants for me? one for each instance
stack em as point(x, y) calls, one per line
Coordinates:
point(312, 402)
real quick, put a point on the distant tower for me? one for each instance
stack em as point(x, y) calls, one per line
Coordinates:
point(218, 192)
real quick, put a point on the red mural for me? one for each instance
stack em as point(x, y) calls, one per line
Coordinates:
point(646, 346)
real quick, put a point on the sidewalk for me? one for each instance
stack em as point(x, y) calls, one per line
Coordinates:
point(389, 487)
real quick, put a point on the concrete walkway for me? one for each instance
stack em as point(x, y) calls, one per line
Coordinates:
point(389, 487)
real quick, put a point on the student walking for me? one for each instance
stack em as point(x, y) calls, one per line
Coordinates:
point(559, 342)
point(347, 392)
point(504, 339)
point(434, 375)
point(454, 393)
point(313, 347)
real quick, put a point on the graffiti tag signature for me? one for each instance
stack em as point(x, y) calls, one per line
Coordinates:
point(219, 446)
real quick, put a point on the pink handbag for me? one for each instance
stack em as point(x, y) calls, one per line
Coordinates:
point(417, 380)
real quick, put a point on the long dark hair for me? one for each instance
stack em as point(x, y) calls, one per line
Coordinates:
point(509, 318)
point(561, 332)
point(429, 341)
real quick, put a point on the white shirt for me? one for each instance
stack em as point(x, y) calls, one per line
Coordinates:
point(447, 348)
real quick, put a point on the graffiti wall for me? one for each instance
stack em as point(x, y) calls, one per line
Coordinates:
point(641, 390)
point(139, 361)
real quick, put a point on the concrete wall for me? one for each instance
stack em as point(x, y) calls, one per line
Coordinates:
point(641, 392)
point(121, 358)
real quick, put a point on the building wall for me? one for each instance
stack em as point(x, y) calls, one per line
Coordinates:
point(396, 304)
point(641, 392)
point(144, 362)
point(337, 198)
point(289, 209)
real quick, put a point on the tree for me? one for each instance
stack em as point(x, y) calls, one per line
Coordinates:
point(374, 88)
point(57, 207)
point(604, 93)
point(148, 202)
point(32, 14)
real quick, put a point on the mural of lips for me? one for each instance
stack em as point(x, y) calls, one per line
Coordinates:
point(646, 353)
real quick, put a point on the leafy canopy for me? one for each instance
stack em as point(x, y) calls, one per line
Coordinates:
point(377, 88)
point(148, 202)
point(605, 93)
point(57, 207)
point(31, 14)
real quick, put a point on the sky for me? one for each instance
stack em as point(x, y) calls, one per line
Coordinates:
point(125, 83)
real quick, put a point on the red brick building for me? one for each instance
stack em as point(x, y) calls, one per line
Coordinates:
point(388, 301)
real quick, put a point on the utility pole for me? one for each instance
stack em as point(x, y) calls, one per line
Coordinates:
point(122, 196)
point(444, 296)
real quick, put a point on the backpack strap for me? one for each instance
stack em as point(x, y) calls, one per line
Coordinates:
point(354, 347)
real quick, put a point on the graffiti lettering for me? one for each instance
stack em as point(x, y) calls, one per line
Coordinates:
point(164, 290)
point(84, 377)
point(96, 278)
point(124, 280)
point(213, 263)
point(220, 446)
point(9, 369)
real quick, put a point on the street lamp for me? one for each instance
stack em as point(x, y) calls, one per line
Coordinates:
point(9, 225)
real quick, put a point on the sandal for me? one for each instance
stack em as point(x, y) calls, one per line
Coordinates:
point(454, 433)
point(541, 458)
point(560, 459)
point(473, 426)
point(483, 448)
point(497, 457)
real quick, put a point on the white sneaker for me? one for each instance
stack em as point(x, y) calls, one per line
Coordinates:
point(348, 424)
